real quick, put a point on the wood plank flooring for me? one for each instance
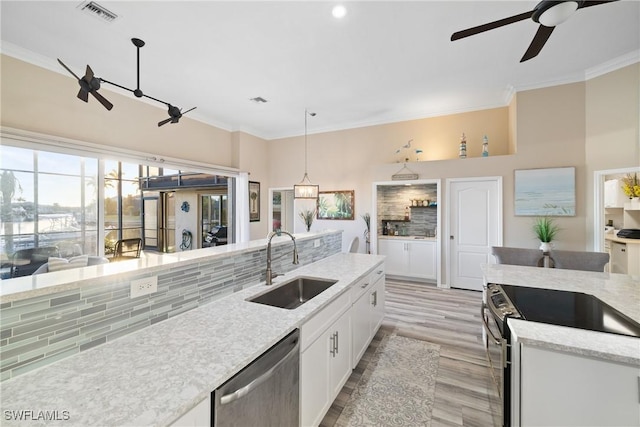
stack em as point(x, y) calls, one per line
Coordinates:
point(465, 394)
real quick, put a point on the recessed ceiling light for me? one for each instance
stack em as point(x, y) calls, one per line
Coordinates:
point(339, 11)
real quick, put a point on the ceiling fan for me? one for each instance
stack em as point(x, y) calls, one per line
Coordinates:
point(174, 115)
point(547, 13)
point(89, 84)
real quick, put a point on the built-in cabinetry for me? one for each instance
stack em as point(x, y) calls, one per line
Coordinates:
point(614, 197)
point(367, 312)
point(333, 341)
point(409, 257)
point(575, 390)
point(624, 255)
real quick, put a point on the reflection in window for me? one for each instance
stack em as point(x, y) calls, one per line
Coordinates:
point(47, 200)
point(122, 203)
point(52, 199)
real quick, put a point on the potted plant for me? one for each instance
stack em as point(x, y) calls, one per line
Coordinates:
point(631, 186)
point(367, 221)
point(545, 230)
point(307, 216)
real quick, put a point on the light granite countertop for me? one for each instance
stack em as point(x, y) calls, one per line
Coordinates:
point(620, 291)
point(155, 375)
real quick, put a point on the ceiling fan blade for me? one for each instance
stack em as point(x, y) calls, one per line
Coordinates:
point(538, 42)
point(88, 76)
point(69, 70)
point(190, 109)
point(589, 3)
point(490, 26)
point(102, 100)
point(83, 95)
point(164, 122)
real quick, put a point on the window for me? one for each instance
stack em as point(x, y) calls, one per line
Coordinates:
point(48, 199)
point(53, 198)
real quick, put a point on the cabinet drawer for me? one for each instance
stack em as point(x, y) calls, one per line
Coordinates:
point(362, 285)
point(315, 326)
point(377, 273)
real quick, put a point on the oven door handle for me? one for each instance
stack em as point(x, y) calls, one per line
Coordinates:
point(498, 341)
point(486, 325)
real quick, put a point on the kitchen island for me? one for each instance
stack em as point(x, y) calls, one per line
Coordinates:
point(156, 375)
point(580, 377)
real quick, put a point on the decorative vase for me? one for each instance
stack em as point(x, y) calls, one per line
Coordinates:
point(545, 246)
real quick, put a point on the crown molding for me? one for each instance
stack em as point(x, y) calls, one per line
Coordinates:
point(613, 65)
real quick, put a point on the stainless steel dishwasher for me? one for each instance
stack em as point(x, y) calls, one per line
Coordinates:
point(265, 393)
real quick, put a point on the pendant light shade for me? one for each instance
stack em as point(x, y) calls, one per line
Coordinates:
point(305, 189)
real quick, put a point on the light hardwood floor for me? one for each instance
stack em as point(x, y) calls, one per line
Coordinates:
point(465, 394)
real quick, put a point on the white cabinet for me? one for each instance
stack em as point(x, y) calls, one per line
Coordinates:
point(614, 197)
point(625, 258)
point(618, 260)
point(325, 363)
point(330, 339)
point(409, 258)
point(563, 389)
point(200, 415)
point(367, 312)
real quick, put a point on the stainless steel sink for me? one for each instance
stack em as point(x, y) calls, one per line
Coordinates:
point(294, 293)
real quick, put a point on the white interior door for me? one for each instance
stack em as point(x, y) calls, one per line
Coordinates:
point(475, 224)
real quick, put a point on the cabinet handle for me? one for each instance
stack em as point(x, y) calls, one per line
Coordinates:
point(374, 296)
point(336, 342)
point(364, 286)
point(333, 345)
point(379, 272)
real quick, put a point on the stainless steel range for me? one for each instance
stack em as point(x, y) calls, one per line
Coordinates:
point(563, 308)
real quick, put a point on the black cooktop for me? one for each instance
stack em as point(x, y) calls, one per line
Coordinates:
point(573, 309)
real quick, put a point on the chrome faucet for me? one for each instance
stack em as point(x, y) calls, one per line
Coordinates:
point(271, 275)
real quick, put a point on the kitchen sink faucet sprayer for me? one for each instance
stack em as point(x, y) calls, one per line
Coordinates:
point(271, 275)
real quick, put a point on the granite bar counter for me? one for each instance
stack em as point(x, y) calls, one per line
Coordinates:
point(155, 375)
point(620, 291)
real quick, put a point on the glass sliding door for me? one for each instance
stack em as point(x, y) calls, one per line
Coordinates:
point(150, 221)
point(213, 220)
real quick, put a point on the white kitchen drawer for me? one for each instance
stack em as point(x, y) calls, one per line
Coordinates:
point(362, 285)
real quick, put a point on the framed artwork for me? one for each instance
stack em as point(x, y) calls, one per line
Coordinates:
point(545, 192)
point(336, 204)
point(254, 201)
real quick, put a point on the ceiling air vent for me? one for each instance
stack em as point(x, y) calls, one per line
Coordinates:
point(94, 9)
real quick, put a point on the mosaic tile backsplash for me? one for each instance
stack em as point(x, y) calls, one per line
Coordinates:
point(41, 330)
point(393, 201)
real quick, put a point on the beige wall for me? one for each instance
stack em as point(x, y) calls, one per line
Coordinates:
point(252, 155)
point(592, 126)
point(348, 159)
point(40, 100)
point(612, 127)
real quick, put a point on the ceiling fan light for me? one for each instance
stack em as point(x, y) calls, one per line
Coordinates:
point(554, 13)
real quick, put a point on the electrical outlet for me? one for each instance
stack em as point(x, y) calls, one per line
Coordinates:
point(316, 243)
point(147, 285)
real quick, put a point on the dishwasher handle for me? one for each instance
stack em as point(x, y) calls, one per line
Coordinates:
point(243, 391)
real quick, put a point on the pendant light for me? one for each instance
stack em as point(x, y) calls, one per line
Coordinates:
point(305, 189)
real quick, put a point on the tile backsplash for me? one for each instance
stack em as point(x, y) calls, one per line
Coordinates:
point(37, 331)
point(393, 201)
